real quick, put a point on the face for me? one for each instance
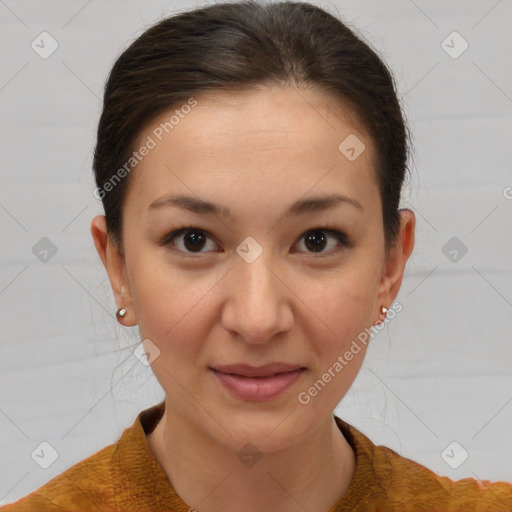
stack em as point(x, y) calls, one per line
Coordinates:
point(256, 281)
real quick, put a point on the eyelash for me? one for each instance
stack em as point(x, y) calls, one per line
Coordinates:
point(341, 237)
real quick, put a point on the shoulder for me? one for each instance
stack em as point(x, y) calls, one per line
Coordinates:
point(413, 487)
point(122, 476)
point(386, 481)
point(79, 488)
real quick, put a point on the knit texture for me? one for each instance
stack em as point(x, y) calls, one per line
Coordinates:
point(126, 477)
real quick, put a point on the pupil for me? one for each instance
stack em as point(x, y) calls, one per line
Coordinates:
point(318, 242)
point(194, 240)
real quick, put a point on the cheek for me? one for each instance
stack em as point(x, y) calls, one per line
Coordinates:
point(344, 303)
point(171, 308)
point(177, 324)
point(346, 311)
point(158, 291)
point(347, 318)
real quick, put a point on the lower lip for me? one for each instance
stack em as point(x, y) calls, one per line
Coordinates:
point(258, 388)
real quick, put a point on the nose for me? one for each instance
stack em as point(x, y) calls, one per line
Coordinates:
point(258, 305)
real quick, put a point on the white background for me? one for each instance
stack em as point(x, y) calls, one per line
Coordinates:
point(441, 371)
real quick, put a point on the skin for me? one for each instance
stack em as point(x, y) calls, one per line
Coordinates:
point(255, 153)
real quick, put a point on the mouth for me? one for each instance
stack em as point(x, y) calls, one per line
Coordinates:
point(249, 383)
point(268, 370)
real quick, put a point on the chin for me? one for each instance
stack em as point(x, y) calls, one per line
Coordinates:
point(268, 430)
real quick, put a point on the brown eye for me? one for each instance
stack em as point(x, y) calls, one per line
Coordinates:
point(194, 240)
point(188, 240)
point(316, 240)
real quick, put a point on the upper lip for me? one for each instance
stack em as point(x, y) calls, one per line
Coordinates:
point(257, 371)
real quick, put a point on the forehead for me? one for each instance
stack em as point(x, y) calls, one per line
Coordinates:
point(268, 141)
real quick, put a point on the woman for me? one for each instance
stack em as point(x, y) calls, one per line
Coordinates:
point(250, 160)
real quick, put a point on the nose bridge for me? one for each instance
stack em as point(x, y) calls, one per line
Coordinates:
point(254, 278)
point(256, 303)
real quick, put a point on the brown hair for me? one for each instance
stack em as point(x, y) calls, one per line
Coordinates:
point(240, 46)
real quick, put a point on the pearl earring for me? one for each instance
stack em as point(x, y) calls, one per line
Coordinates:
point(121, 313)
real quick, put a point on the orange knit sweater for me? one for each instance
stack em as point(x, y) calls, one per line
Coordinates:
point(125, 476)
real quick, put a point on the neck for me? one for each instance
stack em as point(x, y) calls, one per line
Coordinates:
point(208, 476)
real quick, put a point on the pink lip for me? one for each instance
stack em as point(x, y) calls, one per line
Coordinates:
point(266, 370)
point(257, 384)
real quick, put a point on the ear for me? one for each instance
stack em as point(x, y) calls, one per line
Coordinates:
point(114, 264)
point(394, 266)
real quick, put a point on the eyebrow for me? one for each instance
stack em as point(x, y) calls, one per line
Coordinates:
point(300, 207)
